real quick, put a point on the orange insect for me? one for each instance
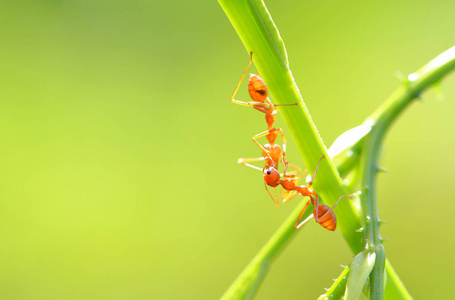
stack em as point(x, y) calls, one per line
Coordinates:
point(271, 152)
point(322, 213)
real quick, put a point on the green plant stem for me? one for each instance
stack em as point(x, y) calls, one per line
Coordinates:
point(379, 122)
point(382, 119)
point(373, 241)
point(336, 291)
point(251, 277)
point(395, 288)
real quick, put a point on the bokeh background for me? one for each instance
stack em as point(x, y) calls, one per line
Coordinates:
point(119, 145)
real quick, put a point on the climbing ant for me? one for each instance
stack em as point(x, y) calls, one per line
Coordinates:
point(271, 152)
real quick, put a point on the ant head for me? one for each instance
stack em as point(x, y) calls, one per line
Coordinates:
point(271, 176)
point(256, 87)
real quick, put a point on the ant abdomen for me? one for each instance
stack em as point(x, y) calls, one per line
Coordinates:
point(257, 89)
point(328, 221)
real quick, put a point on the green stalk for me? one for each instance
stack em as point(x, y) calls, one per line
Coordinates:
point(395, 288)
point(336, 291)
point(251, 277)
point(382, 119)
point(369, 144)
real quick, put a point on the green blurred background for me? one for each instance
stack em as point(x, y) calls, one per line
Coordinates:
point(119, 145)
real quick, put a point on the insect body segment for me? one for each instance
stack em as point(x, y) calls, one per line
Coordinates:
point(257, 89)
point(328, 219)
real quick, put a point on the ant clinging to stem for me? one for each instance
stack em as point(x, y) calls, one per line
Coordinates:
point(271, 152)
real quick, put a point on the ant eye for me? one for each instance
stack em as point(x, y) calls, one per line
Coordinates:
point(268, 172)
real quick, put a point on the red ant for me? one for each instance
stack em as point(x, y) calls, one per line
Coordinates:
point(271, 152)
point(244, 161)
point(323, 214)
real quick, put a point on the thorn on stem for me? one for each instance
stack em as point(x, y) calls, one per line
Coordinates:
point(438, 90)
point(381, 169)
point(420, 98)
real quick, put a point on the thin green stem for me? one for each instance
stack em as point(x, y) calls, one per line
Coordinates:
point(395, 288)
point(373, 239)
point(336, 291)
point(247, 283)
point(382, 119)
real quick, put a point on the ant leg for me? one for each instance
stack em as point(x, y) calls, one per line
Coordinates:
point(316, 207)
point(292, 173)
point(330, 209)
point(296, 178)
point(291, 104)
point(297, 225)
point(245, 162)
point(266, 108)
point(288, 197)
point(285, 162)
point(262, 107)
point(274, 201)
point(314, 175)
point(243, 76)
point(260, 146)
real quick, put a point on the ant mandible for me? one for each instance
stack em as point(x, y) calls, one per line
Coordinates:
point(322, 213)
point(271, 152)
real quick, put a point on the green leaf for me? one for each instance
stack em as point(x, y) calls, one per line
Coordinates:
point(360, 269)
